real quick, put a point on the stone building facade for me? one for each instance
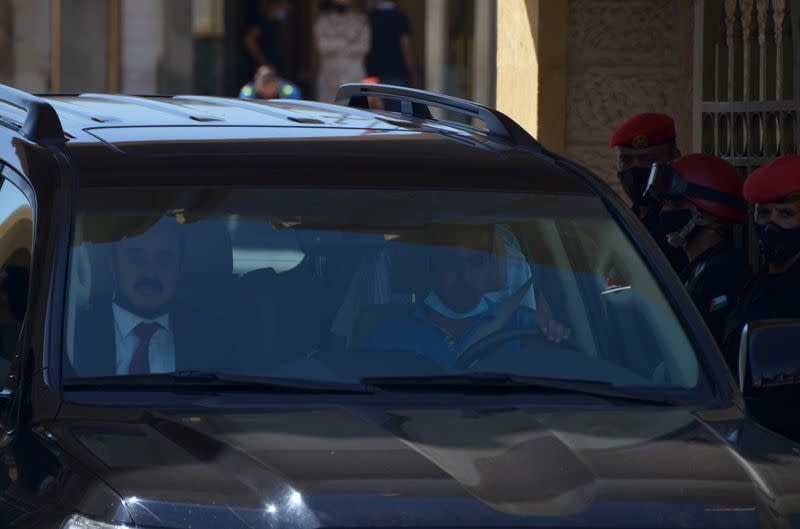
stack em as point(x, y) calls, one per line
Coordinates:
point(727, 71)
point(622, 60)
point(597, 63)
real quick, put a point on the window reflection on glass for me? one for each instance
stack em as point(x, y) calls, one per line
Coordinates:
point(16, 242)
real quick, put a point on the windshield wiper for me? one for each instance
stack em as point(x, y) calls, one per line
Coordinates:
point(506, 382)
point(200, 380)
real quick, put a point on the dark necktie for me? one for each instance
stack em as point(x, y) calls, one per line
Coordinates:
point(140, 361)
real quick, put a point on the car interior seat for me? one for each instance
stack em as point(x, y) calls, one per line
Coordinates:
point(283, 315)
point(206, 280)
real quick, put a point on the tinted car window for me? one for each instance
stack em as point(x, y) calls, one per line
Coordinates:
point(16, 243)
point(347, 284)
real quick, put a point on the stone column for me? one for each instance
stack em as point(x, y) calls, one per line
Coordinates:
point(435, 45)
point(178, 63)
point(483, 75)
point(31, 44)
point(6, 41)
point(142, 45)
point(84, 45)
point(531, 67)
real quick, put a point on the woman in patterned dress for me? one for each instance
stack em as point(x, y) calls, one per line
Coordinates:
point(342, 39)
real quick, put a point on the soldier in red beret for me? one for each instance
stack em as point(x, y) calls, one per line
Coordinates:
point(640, 142)
point(702, 202)
point(775, 192)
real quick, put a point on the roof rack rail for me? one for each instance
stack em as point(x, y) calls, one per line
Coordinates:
point(154, 104)
point(41, 122)
point(249, 104)
point(417, 103)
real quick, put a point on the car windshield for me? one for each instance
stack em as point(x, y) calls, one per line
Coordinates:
point(347, 285)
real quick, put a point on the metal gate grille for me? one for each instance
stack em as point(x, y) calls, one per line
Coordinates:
point(750, 106)
point(747, 85)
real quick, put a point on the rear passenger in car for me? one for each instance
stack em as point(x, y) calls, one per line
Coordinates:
point(141, 328)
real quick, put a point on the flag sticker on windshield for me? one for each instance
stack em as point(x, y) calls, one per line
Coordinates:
point(718, 303)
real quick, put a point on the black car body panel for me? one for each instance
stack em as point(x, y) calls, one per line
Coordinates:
point(474, 463)
point(258, 461)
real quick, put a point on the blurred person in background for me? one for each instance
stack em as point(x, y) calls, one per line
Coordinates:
point(391, 56)
point(267, 84)
point(375, 103)
point(342, 39)
point(262, 40)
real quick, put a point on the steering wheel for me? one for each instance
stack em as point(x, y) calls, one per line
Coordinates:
point(488, 345)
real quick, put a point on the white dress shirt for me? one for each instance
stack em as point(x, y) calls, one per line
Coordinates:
point(162, 344)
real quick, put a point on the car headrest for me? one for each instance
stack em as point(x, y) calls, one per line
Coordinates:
point(410, 268)
point(207, 264)
point(96, 271)
point(322, 241)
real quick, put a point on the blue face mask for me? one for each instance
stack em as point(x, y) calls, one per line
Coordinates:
point(435, 303)
point(280, 15)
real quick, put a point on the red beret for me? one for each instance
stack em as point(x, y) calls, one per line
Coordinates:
point(713, 173)
point(643, 130)
point(775, 181)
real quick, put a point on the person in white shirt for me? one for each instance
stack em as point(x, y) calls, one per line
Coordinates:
point(342, 39)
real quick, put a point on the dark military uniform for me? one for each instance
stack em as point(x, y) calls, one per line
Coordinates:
point(715, 281)
point(641, 132)
point(675, 256)
point(768, 296)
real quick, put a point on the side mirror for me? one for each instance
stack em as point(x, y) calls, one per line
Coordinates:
point(769, 373)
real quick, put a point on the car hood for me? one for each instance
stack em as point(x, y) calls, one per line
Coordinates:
point(349, 466)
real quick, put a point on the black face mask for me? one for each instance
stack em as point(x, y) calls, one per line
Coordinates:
point(341, 9)
point(673, 221)
point(777, 244)
point(634, 182)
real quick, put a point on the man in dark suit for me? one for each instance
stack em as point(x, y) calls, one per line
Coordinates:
point(142, 329)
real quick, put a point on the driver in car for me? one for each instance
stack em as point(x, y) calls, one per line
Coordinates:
point(457, 312)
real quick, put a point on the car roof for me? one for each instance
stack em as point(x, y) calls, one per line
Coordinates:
point(95, 129)
point(79, 113)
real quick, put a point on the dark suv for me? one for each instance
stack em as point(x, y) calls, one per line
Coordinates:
point(239, 315)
